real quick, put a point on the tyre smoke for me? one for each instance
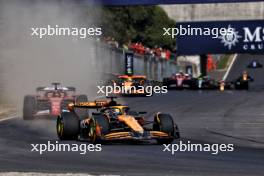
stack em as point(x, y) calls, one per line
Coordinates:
point(27, 62)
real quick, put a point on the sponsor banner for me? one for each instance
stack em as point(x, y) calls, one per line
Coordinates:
point(129, 63)
point(242, 37)
point(153, 2)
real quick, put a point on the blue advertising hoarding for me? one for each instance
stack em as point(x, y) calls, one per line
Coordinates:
point(220, 37)
point(155, 2)
point(129, 63)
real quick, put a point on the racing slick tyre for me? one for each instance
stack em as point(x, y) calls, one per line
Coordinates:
point(68, 126)
point(176, 132)
point(165, 82)
point(29, 107)
point(246, 86)
point(193, 84)
point(241, 85)
point(82, 113)
point(101, 125)
point(164, 123)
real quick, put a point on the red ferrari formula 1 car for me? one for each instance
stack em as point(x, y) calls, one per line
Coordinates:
point(50, 101)
point(178, 80)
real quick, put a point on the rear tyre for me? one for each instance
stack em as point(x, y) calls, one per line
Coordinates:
point(165, 82)
point(68, 126)
point(242, 85)
point(164, 123)
point(237, 85)
point(176, 132)
point(246, 85)
point(193, 83)
point(100, 123)
point(82, 113)
point(29, 107)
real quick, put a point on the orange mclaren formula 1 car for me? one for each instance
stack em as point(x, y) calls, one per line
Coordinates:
point(130, 85)
point(114, 122)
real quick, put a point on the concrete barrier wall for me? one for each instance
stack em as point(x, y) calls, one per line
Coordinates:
point(112, 61)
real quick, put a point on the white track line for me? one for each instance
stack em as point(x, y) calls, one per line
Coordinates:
point(12, 116)
point(230, 66)
point(48, 174)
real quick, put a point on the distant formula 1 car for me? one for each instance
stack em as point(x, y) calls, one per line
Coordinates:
point(185, 81)
point(50, 101)
point(114, 122)
point(178, 81)
point(242, 83)
point(255, 64)
point(130, 84)
point(207, 83)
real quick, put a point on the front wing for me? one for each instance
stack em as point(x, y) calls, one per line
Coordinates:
point(147, 135)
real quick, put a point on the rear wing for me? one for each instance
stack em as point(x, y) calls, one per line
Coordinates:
point(89, 105)
point(132, 76)
point(97, 104)
point(38, 89)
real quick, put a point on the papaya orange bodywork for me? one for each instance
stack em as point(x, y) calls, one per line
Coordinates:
point(131, 122)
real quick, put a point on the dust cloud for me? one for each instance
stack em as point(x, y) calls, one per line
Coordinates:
point(27, 62)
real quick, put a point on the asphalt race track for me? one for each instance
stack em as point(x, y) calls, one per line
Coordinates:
point(235, 117)
point(257, 74)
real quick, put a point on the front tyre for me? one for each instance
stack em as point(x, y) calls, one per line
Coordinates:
point(29, 107)
point(165, 82)
point(68, 126)
point(99, 127)
point(164, 123)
